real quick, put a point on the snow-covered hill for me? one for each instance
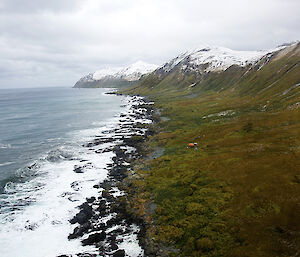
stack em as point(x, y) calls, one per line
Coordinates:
point(202, 60)
point(215, 58)
point(116, 76)
point(272, 72)
point(130, 73)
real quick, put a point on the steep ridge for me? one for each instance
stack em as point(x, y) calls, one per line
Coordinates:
point(116, 77)
point(260, 73)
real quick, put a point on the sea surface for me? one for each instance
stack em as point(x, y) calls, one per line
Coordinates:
point(41, 136)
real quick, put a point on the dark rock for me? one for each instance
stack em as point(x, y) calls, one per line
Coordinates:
point(119, 253)
point(102, 206)
point(101, 226)
point(112, 237)
point(118, 170)
point(94, 238)
point(107, 195)
point(113, 222)
point(79, 231)
point(91, 199)
point(87, 209)
point(32, 166)
point(78, 169)
point(134, 140)
point(127, 230)
point(75, 186)
point(113, 246)
point(85, 255)
point(85, 213)
point(106, 185)
point(119, 152)
point(80, 217)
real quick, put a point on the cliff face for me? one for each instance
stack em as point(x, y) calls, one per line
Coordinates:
point(115, 77)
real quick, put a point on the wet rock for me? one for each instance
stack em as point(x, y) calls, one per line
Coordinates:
point(114, 246)
point(99, 227)
point(72, 198)
point(94, 238)
point(85, 255)
point(127, 141)
point(106, 185)
point(134, 140)
point(120, 153)
point(107, 195)
point(81, 218)
point(32, 226)
point(86, 208)
point(119, 172)
point(79, 231)
point(85, 213)
point(91, 199)
point(75, 186)
point(78, 169)
point(32, 166)
point(102, 206)
point(119, 253)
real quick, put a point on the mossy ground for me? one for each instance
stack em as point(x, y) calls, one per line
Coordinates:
point(237, 193)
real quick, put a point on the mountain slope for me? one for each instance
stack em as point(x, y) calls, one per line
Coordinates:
point(238, 192)
point(116, 77)
point(260, 73)
point(207, 59)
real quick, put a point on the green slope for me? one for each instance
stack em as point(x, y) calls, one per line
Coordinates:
point(238, 193)
point(269, 78)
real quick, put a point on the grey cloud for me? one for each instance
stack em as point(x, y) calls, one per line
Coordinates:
point(53, 43)
point(31, 6)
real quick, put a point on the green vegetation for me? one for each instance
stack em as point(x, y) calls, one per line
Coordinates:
point(238, 192)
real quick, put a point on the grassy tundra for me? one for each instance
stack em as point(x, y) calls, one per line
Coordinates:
point(238, 192)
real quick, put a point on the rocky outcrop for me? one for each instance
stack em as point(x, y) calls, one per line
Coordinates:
point(104, 220)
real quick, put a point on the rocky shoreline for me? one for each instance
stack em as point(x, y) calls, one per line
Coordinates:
point(105, 221)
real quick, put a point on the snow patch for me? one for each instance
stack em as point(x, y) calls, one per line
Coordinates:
point(214, 58)
point(130, 73)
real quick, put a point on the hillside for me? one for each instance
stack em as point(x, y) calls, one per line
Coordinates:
point(220, 69)
point(238, 192)
point(115, 77)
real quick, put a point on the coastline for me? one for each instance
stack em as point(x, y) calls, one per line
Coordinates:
point(109, 221)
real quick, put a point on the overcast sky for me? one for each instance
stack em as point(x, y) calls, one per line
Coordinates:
point(55, 42)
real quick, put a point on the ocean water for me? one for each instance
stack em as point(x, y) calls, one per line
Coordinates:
point(41, 136)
